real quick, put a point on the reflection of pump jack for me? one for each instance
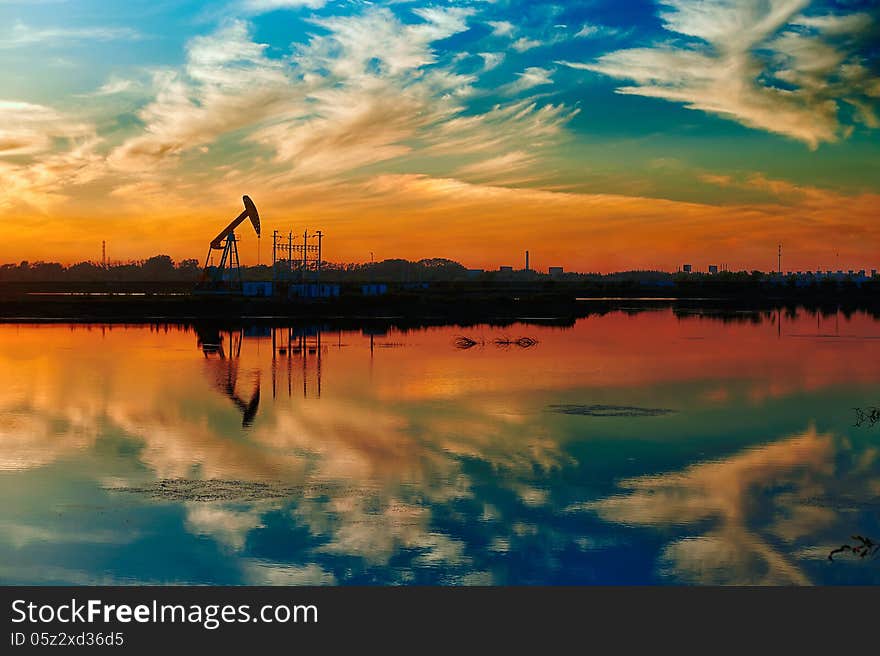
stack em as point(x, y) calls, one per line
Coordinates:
point(225, 370)
point(249, 409)
point(298, 344)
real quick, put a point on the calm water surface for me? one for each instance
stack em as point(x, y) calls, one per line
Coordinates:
point(645, 447)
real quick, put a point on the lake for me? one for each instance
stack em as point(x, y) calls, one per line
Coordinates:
point(632, 447)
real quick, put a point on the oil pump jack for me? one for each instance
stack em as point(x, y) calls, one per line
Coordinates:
point(226, 277)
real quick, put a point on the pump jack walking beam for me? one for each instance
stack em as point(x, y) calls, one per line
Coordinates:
point(250, 212)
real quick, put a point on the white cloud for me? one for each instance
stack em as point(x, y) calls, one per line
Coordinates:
point(514, 126)
point(501, 28)
point(20, 35)
point(261, 6)
point(59, 151)
point(836, 23)
point(115, 85)
point(367, 88)
point(532, 77)
point(27, 128)
point(500, 166)
point(228, 85)
point(491, 59)
point(592, 30)
point(371, 102)
point(587, 31)
point(339, 104)
point(524, 43)
point(746, 63)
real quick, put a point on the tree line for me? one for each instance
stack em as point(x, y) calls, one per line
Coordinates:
point(161, 268)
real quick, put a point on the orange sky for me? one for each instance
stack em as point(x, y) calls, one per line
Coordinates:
point(691, 132)
point(481, 226)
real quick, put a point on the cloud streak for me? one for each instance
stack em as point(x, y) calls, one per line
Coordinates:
point(764, 64)
point(23, 35)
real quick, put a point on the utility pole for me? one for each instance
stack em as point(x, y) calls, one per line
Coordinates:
point(779, 260)
point(305, 260)
point(320, 235)
point(104, 254)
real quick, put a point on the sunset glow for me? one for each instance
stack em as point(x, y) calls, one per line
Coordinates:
point(601, 135)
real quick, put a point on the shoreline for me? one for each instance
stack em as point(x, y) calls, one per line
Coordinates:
point(428, 308)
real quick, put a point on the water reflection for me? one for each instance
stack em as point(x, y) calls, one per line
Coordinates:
point(652, 446)
point(224, 369)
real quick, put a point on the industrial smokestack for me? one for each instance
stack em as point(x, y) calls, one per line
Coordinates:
point(527, 260)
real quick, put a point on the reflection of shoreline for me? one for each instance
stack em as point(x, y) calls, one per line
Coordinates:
point(424, 454)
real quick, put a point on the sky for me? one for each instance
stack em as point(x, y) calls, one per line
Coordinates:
point(601, 135)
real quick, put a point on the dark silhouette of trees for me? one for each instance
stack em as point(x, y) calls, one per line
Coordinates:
point(158, 268)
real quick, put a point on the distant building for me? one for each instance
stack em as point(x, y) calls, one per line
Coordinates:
point(250, 288)
point(873, 273)
point(505, 269)
point(555, 271)
point(474, 273)
point(687, 268)
point(713, 268)
point(374, 289)
point(313, 290)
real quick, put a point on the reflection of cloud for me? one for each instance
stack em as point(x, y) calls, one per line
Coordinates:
point(225, 525)
point(397, 470)
point(259, 573)
point(363, 478)
point(21, 535)
point(30, 439)
point(731, 501)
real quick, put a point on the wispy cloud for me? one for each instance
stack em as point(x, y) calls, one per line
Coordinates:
point(259, 6)
point(27, 128)
point(502, 28)
point(524, 43)
point(587, 31)
point(491, 59)
point(597, 30)
point(339, 104)
point(532, 77)
point(20, 35)
point(115, 86)
point(228, 84)
point(494, 167)
point(762, 63)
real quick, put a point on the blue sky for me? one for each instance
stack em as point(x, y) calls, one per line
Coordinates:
point(718, 103)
